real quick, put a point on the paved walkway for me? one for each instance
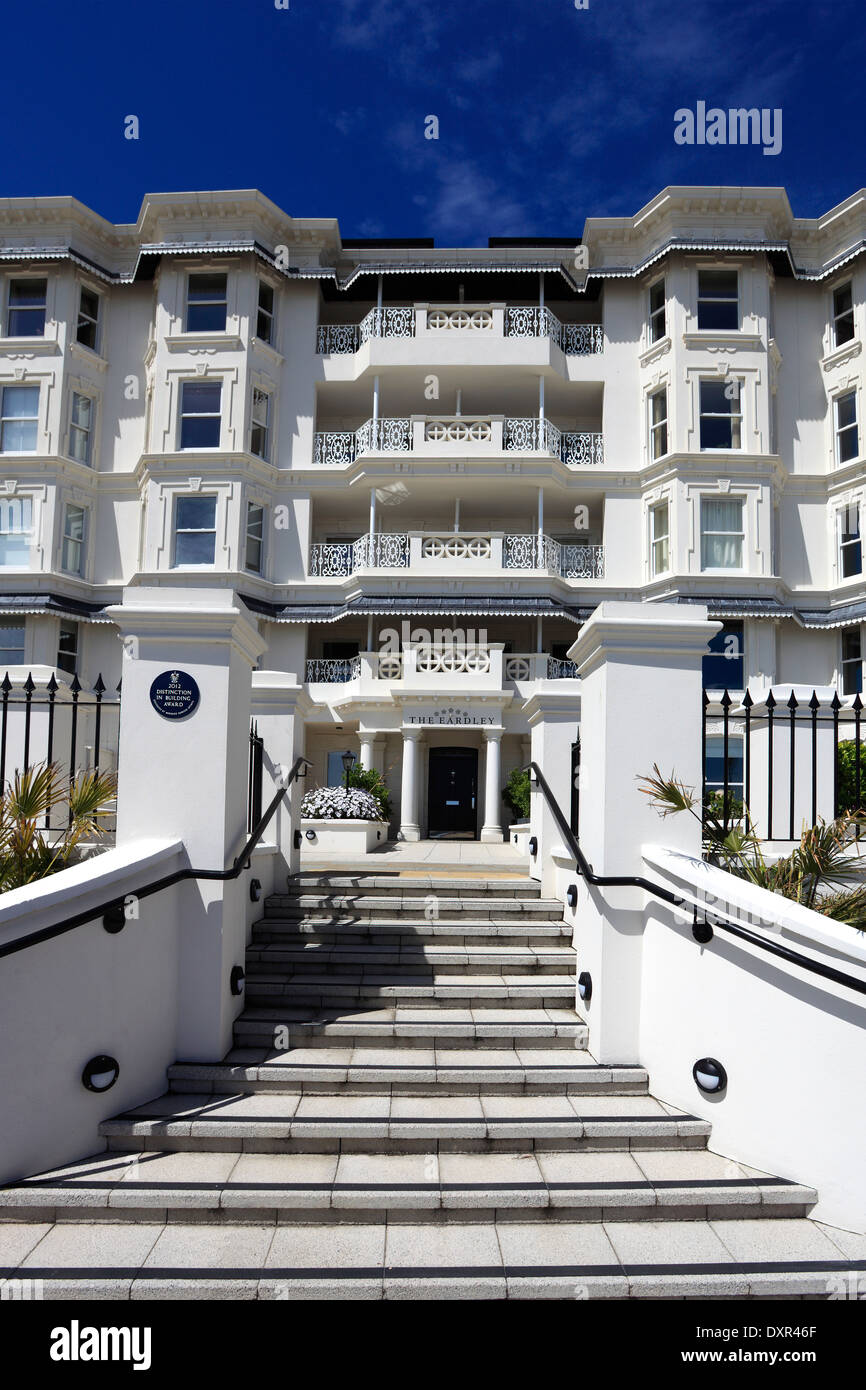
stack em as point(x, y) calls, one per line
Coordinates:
point(429, 855)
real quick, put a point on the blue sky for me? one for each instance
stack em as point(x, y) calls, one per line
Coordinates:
point(546, 113)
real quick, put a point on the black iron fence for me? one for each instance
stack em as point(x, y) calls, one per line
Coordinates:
point(783, 764)
point(254, 786)
point(44, 722)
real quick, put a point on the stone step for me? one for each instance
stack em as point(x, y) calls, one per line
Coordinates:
point(372, 907)
point(324, 990)
point(751, 1259)
point(415, 961)
point(387, 1025)
point(268, 1189)
point(408, 1071)
point(395, 932)
point(281, 1123)
point(400, 884)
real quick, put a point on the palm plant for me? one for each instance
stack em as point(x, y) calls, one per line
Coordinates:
point(818, 873)
point(26, 853)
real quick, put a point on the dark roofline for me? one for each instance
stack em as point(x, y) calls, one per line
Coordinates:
point(401, 243)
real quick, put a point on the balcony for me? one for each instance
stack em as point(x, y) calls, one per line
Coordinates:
point(476, 552)
point(493, 320)
point(467, 435)
point(423, 664)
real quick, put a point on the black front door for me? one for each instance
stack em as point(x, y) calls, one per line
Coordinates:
point(452, 793)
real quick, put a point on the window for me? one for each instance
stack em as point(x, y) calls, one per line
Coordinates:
point(26, 317)
point(721, 417)
point(74, 534)
point(81, 428)
point(657, 324)
point(11, 644)
point(19, 419)
point(87, 330)
point(265, 315)
point(721, 533)
point(336, 772)
point(200, 418)
point(724, 665)
point(660, 538)
point(206, 304)
point(847, 442)
point(255, 537)
point(850, 549)
point(260, 429)
point(843, 315)
point(714, 774)
point(659, 423)
point(852, 662)
point(67, 648)
point(195, 531)
point(16, 529)
point(718, 300)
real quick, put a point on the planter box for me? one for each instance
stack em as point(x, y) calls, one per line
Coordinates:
point(518, 837)
point(343, 836)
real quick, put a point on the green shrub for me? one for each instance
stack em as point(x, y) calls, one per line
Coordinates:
point(26, 853)
point(515, 793)
point(848, 777)
point(373, 782)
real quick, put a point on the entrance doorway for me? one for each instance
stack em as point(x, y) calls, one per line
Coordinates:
point(452, 796)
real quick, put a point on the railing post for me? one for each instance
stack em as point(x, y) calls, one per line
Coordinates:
point(641, 703)
point(186, 778)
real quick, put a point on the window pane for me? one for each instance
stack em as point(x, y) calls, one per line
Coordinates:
point(20, 402)
point(74, 528)
point(201, 398)
point(200, 432)
point(195, 548)
point(196, 513)
point(82, 407)
point(27, 292)
point(723, 668)
point(718, 307)
point(846, 409)
point(206, 318)
point(206, 286)
point(11, 644)
point(19, 437)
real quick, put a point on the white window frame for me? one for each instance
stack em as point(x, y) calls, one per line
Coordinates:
point(76, 653)
point(704, 533)
point(88, 318)
point(734, 415)
point(657, 427)
point(249, 535)
point(653, 314)
point(68, 540)
point(7, 625)
point(198, 414)
point(181, 497)
point(664, 540)
point(198, 303)
point(844, 528)
point(264, 426)
point(19, 386)
point(90, 432)
point(845, 313)
point(270, 314)
point(717, 299)
point(839, 431)
point(9, 308)
point(857, 661)
point(8, 508)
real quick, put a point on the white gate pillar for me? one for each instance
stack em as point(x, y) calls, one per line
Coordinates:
point(279, 706)
point(640, 668)
point(553, 722)
point(410, 828)
point(187, 777)
point(491, 830)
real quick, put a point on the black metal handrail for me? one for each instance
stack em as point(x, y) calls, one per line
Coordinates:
point(827, 972)
point(584, 867)
point(112, 910)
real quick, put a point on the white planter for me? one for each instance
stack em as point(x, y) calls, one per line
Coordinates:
point(343, 836)
point(518, 838)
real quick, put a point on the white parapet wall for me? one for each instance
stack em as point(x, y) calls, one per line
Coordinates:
point(793, 1044)
point(84, 994)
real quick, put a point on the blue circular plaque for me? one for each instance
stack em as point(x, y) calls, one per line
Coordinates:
point(174, 694)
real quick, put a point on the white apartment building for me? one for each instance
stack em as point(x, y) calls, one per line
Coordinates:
point(422, 468)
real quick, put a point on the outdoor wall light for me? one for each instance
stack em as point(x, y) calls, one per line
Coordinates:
point(571, 895)
point(114, 918)
point(237, 979)
point(710, 1076)
point(255, 890)
point(584, 986)
point(310, 834)
point(100, 1073)
point(701, 931)
point(533, 845)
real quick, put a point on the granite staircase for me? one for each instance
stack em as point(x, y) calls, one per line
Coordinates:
point(410, 1111)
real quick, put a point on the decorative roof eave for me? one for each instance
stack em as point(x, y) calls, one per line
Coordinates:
point(680, 244)
point(52, 605)
point(416, 605)
point(409, 267)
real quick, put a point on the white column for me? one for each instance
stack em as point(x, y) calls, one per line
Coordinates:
point(491, 831)
point(366, 749)
point(456, 515)
point(540, 526)
point(372, 511)
point(375, 399)
point(410, 828)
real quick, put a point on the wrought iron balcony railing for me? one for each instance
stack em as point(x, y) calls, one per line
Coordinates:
point(405, 435)
point(513, 321)
point(443, 658)
point(487, 551)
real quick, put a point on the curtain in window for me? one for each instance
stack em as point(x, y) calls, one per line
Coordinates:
point(722, 515)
